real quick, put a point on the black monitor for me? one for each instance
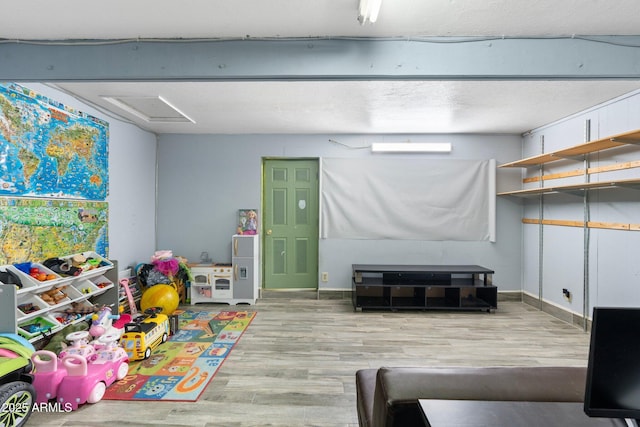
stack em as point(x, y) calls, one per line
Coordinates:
point(613, 373)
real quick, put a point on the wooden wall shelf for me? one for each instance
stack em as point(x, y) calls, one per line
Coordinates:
point(580, 189)
point(590, 224)
point(614, 141)
point(573, 188)
point(581, 172)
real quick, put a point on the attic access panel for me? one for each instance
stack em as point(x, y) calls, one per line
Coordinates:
point(152, 109)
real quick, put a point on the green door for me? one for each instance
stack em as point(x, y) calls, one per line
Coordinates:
point(290, 224)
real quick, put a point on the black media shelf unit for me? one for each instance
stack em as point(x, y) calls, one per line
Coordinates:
point(423, 287)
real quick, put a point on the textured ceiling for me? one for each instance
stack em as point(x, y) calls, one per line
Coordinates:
point(336, 107)
point(363, 107)
point(81, 19)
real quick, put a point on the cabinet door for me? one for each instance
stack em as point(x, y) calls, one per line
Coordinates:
point(244, 246)
point(243, 278)
point(201, 276)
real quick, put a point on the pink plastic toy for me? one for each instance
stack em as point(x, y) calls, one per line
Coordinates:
point(102, 323)
point(87, 382)
point(72, 380)
point(80, 345)
point(110, 351)
point(47, 375)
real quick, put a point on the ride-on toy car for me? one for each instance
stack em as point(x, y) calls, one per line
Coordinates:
point(144, 335)
point(17, 394)
point(76, 379)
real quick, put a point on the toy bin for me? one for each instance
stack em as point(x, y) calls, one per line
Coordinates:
point(94, 263)
point(9, 275)
point(59, 295)
point(101, 282)
point(42, 278)
point(38, 325)
point(86, 287)
point(29, 304)
point(73, 312)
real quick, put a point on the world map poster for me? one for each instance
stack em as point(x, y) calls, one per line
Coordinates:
point(37, 229)
point(50, 150)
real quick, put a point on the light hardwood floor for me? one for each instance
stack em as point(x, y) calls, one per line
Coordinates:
point(296, 364)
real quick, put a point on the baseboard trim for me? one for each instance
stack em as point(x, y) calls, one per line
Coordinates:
point(510, 296)
point(561, 313)
point(518, 296)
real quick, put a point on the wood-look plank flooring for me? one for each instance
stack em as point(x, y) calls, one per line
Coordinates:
point(296, 364)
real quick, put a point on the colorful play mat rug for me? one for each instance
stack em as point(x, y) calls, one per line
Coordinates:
point(181, 368)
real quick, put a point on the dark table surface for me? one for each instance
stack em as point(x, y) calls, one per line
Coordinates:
point(477, 413)
point(422, 268)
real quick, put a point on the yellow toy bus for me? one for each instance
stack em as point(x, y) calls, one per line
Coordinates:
point(139, 338)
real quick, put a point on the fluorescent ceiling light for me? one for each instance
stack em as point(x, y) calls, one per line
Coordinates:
point(411, 147)
point(368, 11)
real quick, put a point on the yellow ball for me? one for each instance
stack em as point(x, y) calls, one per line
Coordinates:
point(163, 296)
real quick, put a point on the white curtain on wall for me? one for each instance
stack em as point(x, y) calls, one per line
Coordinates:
point(408, 199)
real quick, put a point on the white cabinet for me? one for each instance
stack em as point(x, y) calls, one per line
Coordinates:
point(211, 283)
point(41, 307)
point(245, 260)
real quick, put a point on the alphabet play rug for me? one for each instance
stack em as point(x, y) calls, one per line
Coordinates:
point(181, 368)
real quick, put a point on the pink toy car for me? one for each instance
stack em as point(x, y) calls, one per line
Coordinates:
point(73, 380)
point(87, 382)
point(47, 375)
point(80, 345)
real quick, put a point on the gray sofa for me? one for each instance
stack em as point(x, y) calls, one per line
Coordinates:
point(389, 396)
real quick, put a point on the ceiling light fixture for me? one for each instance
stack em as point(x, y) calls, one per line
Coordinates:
point(411, 147)
point(368, 11)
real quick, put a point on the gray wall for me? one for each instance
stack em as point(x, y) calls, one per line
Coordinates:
point(612, 255)
point(132, 181)
point(204, 179)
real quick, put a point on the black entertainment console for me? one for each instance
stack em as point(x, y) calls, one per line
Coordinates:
point(423, 287)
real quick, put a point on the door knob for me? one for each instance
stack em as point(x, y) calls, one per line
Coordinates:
point(269, 232)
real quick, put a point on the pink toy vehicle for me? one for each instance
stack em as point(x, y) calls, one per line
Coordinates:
point(47, 376)
point(87, 382)
point(79, 345)
point(102, 322)
point(73, 380)
point(108, 350)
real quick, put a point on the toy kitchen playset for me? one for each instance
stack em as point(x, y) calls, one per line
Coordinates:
point(235, 283)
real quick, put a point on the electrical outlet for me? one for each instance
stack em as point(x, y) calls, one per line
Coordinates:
point(325, 276)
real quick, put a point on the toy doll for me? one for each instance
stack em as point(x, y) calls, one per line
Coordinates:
point(252, 223)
